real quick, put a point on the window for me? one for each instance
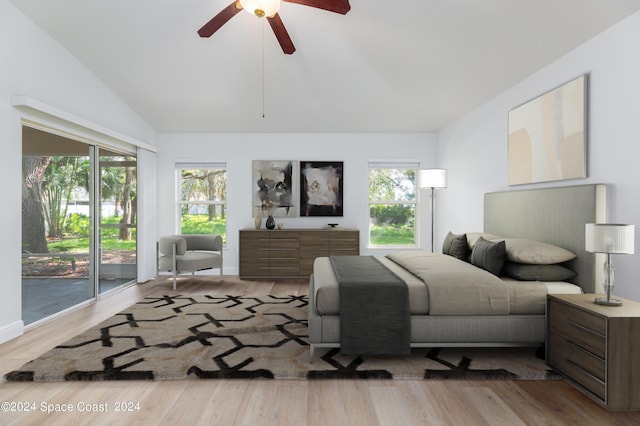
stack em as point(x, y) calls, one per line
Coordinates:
point(202, 195)
point(392, 204)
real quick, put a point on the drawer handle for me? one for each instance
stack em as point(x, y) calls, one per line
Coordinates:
point(585, 371)
point(582, 327)
point(583, 350)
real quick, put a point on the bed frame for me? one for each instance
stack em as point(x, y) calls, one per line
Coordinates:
point(554, 215)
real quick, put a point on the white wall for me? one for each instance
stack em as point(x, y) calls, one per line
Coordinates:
point(238, 150)
point(474, 148)
point(35, 65)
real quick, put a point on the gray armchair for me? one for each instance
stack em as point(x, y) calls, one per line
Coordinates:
point(181, 254)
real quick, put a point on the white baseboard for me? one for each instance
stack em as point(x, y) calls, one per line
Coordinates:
point(11, 331)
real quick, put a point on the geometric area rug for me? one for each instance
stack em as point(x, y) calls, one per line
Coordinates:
point(229, 337)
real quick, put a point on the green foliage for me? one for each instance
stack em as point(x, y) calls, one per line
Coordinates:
point(200, 224)
point(394, 214)
point(61, 176)
point(81, 245)
point(392, 184)
point(392, 223)
point(77, 225)
point(391, 235)
point(76, 236)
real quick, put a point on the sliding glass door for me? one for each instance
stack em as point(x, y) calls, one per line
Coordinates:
point(78, 223)
point(117, 209)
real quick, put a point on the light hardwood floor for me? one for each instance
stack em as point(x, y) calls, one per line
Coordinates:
point(281, 402)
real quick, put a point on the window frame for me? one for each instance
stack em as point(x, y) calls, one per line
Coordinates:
point(397, 165)
point(179, 202)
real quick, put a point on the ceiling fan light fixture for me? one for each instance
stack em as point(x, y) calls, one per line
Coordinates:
point(261, 8)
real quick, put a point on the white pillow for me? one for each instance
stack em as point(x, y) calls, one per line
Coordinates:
point(534, 252)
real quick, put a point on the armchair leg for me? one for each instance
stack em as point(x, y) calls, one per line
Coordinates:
point(157, 263)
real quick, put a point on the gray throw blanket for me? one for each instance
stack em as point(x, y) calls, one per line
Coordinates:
point(374, 307)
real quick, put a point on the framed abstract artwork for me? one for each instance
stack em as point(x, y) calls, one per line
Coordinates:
point(321, 188)
point(548, 136)
point(273, 188)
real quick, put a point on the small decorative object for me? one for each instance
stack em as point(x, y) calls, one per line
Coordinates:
point(258, 220)
point(279, 226)
point(609, 238)
point(332, 225)
point(270, 223)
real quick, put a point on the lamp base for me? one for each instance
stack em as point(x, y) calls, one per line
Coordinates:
point(608, 302)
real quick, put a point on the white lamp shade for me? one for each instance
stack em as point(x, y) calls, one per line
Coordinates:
point(261, 8)
point(609, 238)
point(432, 178)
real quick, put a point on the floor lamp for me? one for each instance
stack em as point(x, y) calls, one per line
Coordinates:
point(432, 179)
point(609, 238)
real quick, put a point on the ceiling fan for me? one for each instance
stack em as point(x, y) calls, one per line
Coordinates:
point(269, 9)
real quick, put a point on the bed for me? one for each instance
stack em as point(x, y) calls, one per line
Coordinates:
point(448, 315)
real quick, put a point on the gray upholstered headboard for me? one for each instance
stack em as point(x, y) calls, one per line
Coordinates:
point(556, 216)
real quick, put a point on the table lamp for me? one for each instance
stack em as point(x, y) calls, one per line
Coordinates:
point(609, 238)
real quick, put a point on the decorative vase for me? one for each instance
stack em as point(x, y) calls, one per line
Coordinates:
point(270, 223)
point(258, 220)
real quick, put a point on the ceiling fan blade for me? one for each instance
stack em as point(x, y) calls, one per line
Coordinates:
point(219, 20)
point(337, 6)
point(281, 34)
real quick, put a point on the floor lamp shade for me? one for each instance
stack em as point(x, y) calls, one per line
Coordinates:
point(432, 178)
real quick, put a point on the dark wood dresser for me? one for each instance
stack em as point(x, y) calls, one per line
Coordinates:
point(291, 252)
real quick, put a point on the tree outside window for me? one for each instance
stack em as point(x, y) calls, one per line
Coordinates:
point(202, 199)
point(392, 204)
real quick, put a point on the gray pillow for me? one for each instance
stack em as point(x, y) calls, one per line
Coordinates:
point(455, 245)
point(533, 252)
point(488, 255)
point(524, 272)
point(472, 237)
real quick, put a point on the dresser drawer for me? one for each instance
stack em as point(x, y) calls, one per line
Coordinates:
point(291, 253)
point(314, 239)
point(307, 257)
point(254, 241)
point(582, 328)
point(254, 267)
point(345, 240)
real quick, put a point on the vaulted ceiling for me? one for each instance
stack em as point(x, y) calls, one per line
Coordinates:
point(386, 66)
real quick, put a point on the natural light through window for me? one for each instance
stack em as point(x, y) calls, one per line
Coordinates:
point(392, 204)
point(202, 195)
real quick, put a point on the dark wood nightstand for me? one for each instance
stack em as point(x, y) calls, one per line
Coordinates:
point(596, 347)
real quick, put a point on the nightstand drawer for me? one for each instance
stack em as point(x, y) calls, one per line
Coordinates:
point(563, 348)
point(580, 327)
point(568, 361)
point(596, 347)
